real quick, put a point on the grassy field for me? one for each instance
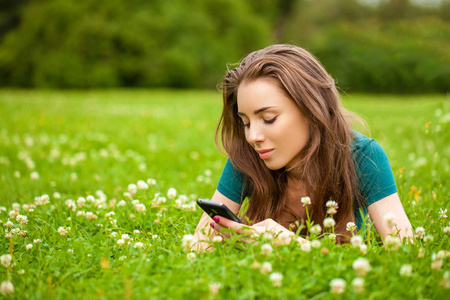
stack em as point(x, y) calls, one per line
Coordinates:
point(84, 148)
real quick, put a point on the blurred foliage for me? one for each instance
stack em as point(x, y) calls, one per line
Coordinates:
point(86, 44)
point(394, 46)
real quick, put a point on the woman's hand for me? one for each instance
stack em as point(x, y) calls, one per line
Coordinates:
point(281, 234)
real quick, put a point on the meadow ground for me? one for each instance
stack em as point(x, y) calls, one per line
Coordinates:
point(97, 201)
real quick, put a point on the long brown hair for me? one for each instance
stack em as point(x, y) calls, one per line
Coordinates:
point(325, 166)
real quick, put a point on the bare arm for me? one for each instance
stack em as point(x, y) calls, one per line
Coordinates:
point(390, 204)
point(205, 221)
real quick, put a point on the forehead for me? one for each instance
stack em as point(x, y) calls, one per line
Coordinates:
point(262, 92)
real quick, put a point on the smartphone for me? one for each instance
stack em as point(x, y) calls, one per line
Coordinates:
point(217, 209)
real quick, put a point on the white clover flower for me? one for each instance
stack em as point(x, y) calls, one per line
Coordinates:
point(363, 249)
point(337, 285)
point(266, 249)
point(446, 229)
point(136, 231)
point(214, 287)
point(89, 198)
point(361, 266)
point(350, 227)
point(442, 213)
point(70, 251)
point(37, 241)
point(113, 234)
point(392, 242)
point(56, 195)
point(305, 247)
point(332, 236)
point(16, 206)
point(171, 193)
point(315, 244)
point(127, 195)
point(161, 200)
point(420, 231)
point(13, 213)
point(191, 256)
point(9, 224)
point(276, 279)
point(151, 181)
point(332, 207)
point(6, 259)
point(132, 188)
point(217, 239)
point(306, 201)
point(22, 219)
point(267, 236)
point(7, 287)
point(389, 219)
point(266, 268)
point(188, 241)
point(120, 242)
point(29, 246)
point(142, 185)
point(178, 203)
point(155, 236)
point(358, 285)
point(183, 198)
point(138, 245)
point(283, 238)
point(140, 207)
point(441, 254)
point(62, 231)
point(428, 238)
point(34, 176)
point(329, 222)
point(111, 213)
point(436, 264)
point(91, 216)
point(405, 270)
point(121, 203)
point(125, 237)
point(356, 240)
point(445, 282)
point(316, 229)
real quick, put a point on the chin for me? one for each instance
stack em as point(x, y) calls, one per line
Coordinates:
point(273, 167)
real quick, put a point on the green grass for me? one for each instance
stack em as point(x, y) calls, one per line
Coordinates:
point(82, 142)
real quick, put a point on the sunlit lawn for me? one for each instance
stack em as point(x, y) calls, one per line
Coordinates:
point(84, 148)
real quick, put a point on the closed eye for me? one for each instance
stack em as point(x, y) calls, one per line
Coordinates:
point(270, 121)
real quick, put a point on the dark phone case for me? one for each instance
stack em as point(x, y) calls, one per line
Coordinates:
point(217, 209)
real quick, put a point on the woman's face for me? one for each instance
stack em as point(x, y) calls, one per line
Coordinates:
point(273, 124)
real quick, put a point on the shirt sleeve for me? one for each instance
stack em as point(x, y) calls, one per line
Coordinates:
point(376, 180)
point(231, 183)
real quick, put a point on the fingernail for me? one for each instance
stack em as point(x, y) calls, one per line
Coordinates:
point(212, 224)
point(216, 219)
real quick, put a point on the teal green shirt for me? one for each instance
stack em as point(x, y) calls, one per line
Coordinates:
point(376, 180)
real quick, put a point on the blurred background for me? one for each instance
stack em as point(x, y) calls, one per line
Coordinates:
point(371, 46)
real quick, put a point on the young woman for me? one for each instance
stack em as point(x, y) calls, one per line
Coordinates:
point(288, 137)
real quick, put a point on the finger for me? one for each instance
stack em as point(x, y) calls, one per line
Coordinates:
point(237, 227)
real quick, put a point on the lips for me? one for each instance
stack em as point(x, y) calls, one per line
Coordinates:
point(264, 153)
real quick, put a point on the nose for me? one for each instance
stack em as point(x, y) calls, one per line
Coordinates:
point(255, 135)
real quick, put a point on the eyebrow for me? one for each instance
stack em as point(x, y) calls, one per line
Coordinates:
point(258, 110)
